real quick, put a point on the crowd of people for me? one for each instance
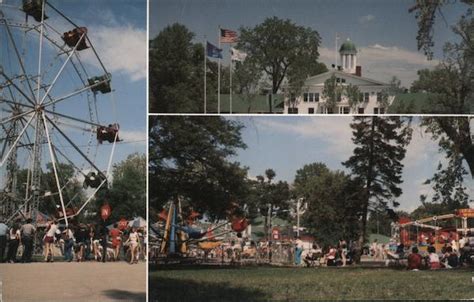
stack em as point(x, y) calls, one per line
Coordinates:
point(75, 242)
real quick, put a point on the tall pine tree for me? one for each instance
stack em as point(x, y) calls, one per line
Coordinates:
point(377, 160)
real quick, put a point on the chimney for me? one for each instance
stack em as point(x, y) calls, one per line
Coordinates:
point(358, 71)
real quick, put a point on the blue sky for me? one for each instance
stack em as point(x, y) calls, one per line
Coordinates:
point(117, 29)
point(384, 31)
point(286, 144)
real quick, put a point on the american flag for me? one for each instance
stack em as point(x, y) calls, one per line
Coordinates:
point(228, 36)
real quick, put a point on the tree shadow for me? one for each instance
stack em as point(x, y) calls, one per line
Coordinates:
point(124, 295)
point(168, 289)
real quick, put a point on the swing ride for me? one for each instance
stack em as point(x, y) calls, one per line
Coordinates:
point(180, 232)
point(56, 102)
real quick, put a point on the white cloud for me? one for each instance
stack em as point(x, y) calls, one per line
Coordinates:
point(133, 136)
point(334, 131)
point(383, 62)
point(366, 19)
point(122, 49)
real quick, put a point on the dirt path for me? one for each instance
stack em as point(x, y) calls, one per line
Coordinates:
point(89, 281)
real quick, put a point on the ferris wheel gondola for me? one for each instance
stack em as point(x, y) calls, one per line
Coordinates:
point(52, 87)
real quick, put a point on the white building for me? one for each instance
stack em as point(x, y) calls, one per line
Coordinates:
point(313, 102)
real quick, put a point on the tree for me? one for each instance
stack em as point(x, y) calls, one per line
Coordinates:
point(425, 13)
point(177, 72)
point(353, 94)
point(189, 158)
point(281, 48)
point(448, 181)
point(376, 162)
point(246, 81)
point(332, 93)
point(334, 204)
point(454, 135)
point(127, 193)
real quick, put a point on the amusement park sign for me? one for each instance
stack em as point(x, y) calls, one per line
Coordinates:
point(468, 213)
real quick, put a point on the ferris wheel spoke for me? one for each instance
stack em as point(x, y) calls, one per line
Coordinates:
point(75, 146)
point(20, 61)
point(79, 91)
point(16, 87)
point(16, 140)
point(62, 68)
point(74, 118)
point(55, 169)
point(68, 159)
point(15, 117)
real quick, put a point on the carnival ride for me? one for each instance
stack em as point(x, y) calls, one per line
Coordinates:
point(180, 233)
point(55, 112)
point(438, 231)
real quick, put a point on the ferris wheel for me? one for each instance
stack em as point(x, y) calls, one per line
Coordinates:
point(57, 122)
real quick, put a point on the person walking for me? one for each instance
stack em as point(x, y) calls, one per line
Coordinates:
point(104, 240)
point(13, 243)
point(28, 232)
point(68, 244)
point(133, 240)
point(116, 240)
point(49, 241)
point(3, 239)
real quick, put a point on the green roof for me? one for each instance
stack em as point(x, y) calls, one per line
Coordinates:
point(348, 48)
point(252, 104)
point(422, 103)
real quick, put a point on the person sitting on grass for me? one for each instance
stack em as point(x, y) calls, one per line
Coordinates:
point(414, 259)
point(450, 258)
point(433, 258)
point(331, 256)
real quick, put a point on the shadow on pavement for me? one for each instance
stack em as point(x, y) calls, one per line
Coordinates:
point(167, 290)
point(124, 295)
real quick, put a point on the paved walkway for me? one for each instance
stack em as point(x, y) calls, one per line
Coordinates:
point(61, 281)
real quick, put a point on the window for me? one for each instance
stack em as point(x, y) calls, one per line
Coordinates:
point(311, 97)
point(305, 97)
point(382, 110)
point(379, 97)
point(361, 111)
point(311, 110)
point(292, 110)
point(329, 111)
point(366, 97)
point(343, 80)
point(316, 97)
point(338, 97)
point(344, 110)
point(376, 110)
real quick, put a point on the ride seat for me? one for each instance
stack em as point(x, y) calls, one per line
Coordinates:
point(108, 133)
point(72, 37)
point(93, 180)
point(102, 83)
point(34, 8)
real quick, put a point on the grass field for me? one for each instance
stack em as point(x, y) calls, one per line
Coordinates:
point(290, 284)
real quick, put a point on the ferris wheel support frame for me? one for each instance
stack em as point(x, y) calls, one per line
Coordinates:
point(38, 109)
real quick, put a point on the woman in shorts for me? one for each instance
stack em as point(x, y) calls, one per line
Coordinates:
point(133, 240)
point(49, 241)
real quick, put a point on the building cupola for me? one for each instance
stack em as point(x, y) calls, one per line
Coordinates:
point(348, 52)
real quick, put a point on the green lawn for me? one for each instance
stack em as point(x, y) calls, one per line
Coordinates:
point(290, 284)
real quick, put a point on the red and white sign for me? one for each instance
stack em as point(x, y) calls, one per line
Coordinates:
point(275, 234)
point(105, 211)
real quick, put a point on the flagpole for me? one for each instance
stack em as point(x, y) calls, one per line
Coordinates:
point(335, 52)
point(230, 87)
point(205, 75)
point(219, 75)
